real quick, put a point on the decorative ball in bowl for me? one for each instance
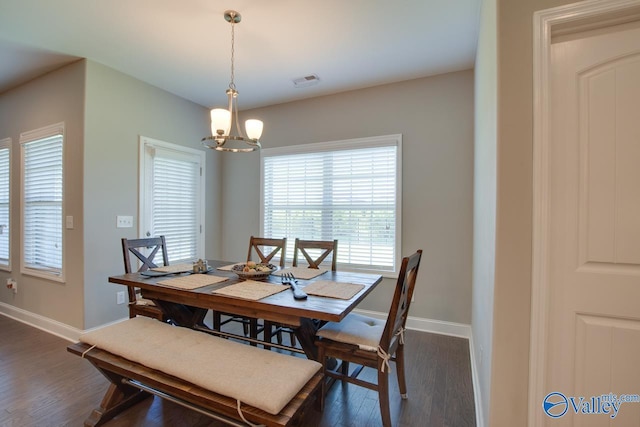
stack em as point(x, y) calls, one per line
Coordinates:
point(253, 271)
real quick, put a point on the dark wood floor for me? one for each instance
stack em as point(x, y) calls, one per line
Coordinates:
point(43, 385)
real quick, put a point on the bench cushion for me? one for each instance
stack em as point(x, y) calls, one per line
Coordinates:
point(264, 379)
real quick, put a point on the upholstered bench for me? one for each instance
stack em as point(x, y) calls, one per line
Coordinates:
point(223, 379)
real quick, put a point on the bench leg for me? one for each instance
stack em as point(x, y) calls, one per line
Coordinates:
point(118, 398)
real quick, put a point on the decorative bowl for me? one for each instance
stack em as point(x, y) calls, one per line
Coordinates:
point(253, 271)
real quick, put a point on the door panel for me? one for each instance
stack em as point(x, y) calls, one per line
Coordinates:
point(594, 251)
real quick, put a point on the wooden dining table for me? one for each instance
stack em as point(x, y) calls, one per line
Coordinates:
point(188, 307)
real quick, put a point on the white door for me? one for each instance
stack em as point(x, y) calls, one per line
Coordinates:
point(172, 191)
point(593, 344)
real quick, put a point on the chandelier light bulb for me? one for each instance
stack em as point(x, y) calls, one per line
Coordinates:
point(253, 128)
point(220, 122)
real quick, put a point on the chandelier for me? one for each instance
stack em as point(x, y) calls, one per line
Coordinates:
point(222, 119)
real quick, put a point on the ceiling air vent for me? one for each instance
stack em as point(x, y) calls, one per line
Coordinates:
point(310, 80)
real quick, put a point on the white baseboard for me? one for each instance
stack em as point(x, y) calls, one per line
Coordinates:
point(54, 327)
point(427, 325)
point(45, 324)
point(476, 384)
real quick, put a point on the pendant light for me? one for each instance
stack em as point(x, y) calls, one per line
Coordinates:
point(222, 120)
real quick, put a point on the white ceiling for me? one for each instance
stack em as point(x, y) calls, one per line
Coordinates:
point(183, 46)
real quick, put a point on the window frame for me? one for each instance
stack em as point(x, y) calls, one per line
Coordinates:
point(6, 144)
point(27, 137)
point(348, 144)
point(146, 145)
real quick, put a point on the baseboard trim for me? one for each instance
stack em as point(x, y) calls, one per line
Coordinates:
point(51, 326)
point(427, 325)
point(45, 324)
point(476, 384)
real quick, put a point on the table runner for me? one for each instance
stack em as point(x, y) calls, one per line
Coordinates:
point(192, 281)
point(330, 289)
point(304, 273)
point(251, 290)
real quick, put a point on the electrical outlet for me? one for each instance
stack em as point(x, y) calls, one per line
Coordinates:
point(124, 221)
point(120, 297)
point(13, 285)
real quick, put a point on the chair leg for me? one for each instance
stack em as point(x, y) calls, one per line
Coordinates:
point(383, 397)
point(245, 329)
point(253, 330)
point(344, 368)
point(267, 334)
point(323, 385)
point(402, 383)
point(217, 320)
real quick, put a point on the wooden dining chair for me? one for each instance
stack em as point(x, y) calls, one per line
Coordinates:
point(314, 253)
point(144, 250)
point(266, 249)
point(370, 342)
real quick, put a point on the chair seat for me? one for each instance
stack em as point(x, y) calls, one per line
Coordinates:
point(356, 329)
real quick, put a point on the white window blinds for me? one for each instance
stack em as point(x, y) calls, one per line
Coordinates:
point(348, 190)
point(5, 192)
point(176, 205)
point(173, 198)
point(42, 194)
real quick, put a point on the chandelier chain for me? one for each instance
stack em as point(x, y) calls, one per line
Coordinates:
point(232, 85)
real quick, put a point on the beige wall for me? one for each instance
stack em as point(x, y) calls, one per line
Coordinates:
point(119, 109)
point(104, 112)
point(53, 98)
point(484, 218)
point(435, 117)
point(512, 288)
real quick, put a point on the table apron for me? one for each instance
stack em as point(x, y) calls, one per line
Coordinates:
point(273, 316)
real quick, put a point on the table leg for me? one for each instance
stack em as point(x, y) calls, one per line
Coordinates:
point(306, 335)
point(183, 315)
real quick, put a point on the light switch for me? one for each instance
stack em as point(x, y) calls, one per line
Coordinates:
point(69, 222)
point(124, 221)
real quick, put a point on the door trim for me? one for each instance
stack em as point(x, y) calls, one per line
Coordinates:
point(586, 15)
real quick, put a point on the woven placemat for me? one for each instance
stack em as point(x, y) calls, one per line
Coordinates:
point(251, 290)
point(304, 273)
point(175, 268)
point(330, 289)
point(193, 281)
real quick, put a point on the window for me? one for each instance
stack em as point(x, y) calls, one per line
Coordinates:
point(172, 201)
point(42, 198)
point(345, 190)
point(5, 193)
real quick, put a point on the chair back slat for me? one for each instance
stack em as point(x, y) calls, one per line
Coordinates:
point(259, 244)
point(402, 296)
point(326, 247)
point(135, 247)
